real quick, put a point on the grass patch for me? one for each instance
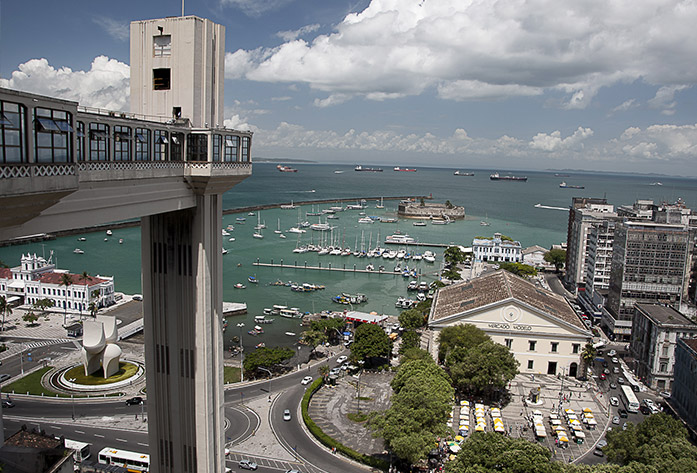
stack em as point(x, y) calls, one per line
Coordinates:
point(231, 374)
point(126, 370)
point(357, 417)
point(31, 384)
point(364, 398)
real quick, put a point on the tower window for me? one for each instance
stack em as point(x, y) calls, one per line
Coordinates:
point(162, 46)
point(161, 79)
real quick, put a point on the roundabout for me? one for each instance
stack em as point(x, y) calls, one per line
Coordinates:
point(72, 379)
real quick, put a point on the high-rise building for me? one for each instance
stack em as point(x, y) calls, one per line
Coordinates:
point(649, 265)
point(601, 236)
point(583, 213)
point(684, 394)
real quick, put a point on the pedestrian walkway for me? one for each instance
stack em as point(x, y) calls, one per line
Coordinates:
point(14, 348)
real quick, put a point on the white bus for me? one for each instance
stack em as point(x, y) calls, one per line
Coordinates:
point(630, 399)
point(132, 461)
point(82, 450)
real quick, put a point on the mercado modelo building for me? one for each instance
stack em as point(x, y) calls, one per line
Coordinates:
point(540, 328)
point(36, 278)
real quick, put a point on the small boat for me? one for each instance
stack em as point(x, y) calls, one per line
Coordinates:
point(258, 234)
point(369, 267)
point(82, 239)
point(290, 334)
point(419, 224)
point(656, 183)
point(381, 205)
point(224, 251)
point(290, 206)
point(281, 235)
point(261, 319)
point(240, 219)
point(282, 168)
point(78, 251)
point(429, 256)
point(109, 232)
point(253, 279)
point(239, 285)
point(278, 228)
point(484, 223)
point(462, 173)
point(224, 233)
point(361, 168)
point(260, 345)
point(106, 239)
point(120, 241)
point(231, 239)
point(338, 171)
point(251, 214)
point(365, 220)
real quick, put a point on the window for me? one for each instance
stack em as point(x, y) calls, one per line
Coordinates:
point(80, 141)
point(160, 145)
point(575, 348)
point(12, 133)
point(531, 345)
point(508, 342)
point(162, 46)
point(177, 147)
point(555, 346)
point(52, 135)
point(231, 145)
point(531, 364)
point(142, 144)
point(197, 149)
point(217, 144)
point(245, 149)
point(122, 143)
point(99, 145)
point(161, 79)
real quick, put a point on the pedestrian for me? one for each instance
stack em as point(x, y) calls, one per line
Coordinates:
point(269, 398)
point(136, 416)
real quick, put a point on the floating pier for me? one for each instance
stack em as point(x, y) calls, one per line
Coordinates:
point(343, 268)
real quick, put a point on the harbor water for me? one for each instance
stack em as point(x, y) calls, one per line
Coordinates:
point(508, 206)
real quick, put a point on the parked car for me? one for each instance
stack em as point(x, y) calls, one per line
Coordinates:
point(615, 360)
point(7, 404)
point(598, 453)
point(616, 420)
point(134, 401)
point(602, 443)
point(644, 410)
point(334, 371)
point(664, 394)
point(620, 380)
point(341, 359)
point(615, 370)
point(603, 376)
point(614, 401)
point(286, 415)
point(4, 377)
point(622, 413)
point(611, 353)
point(306, 380)
point(247, 465)
point(606, 371)
point(613, 386)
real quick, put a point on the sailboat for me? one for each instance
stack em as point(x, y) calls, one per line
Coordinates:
point(257, 229)
point(259, 225)
point(278, 229)
point(485, 222)
point(381, 205)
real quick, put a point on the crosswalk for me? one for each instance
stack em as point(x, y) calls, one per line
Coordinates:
point(15, 347)
point(271, 463)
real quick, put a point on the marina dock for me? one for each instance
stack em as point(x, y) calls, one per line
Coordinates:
point(343, 268)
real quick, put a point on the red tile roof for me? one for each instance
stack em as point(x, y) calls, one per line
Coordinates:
point(5, 273)
point(55, 278)
point(499, 286)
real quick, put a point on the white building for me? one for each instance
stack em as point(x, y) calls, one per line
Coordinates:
point(540, 328)
point(498, 248)
point(535, 256)
point(35, 279)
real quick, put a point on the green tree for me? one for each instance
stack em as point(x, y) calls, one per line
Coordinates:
point(5, 309)
point(370, 342)
point(482, 369)
point(30, 318)
point(324, 370)
point(408, 370)
point(410, 339)
point(332, 328)
point(85, 278)
point(43, 305)
point(448, 204)
point(66, 281)
point(268, 358)
point(454, 255)
point(413, 354)
point(314, 338)
point(465, 335)
point(588, 354)
point(519, 269)
point(411, 318)
point(556, 257)
point(451, 273)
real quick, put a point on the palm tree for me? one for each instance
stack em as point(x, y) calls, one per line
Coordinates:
point(43, 305)
point(67, 281)
point(85, 277)
point(5, 309)
point(324, 370)
point(588, 354)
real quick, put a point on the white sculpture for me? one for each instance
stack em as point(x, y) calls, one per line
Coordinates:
point(99, 346)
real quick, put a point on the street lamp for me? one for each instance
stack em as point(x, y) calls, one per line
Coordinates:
point(268, 371)
point(240, 325)
point(72, 398)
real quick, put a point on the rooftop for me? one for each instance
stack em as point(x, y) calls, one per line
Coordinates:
point(664, 315)
point(500, 286)
point(691, 343)
point(27, 438)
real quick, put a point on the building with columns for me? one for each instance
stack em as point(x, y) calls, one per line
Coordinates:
point(539, 327)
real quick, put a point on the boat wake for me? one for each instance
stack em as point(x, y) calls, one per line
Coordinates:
point(540, 206)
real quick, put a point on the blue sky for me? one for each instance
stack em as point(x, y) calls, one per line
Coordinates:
point(509, 84)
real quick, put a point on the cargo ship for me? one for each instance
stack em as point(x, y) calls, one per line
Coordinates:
point(404, 169)
point(361, 168)
point(497, 177)
point(285, 168)
point(564, 185)
point(463, 173)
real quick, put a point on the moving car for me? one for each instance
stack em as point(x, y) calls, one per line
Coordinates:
point(341, 359)
point(306, 380)
point(611, 353)
point(7, 404)
point(134, 401)
point(334, 371)
point(4, 377)
point(664, 394)
point(286, 414)
point(247, 465)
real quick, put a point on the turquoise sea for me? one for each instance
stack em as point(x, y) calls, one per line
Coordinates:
point(508, 206)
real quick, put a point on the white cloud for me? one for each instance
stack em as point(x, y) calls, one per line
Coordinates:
point(255, 8)
point(294, 34)
point(554, 141)
point(664, 99)
point(334, 99)
point(119, 30)
point(469, 49)
point(105, 85)
point(624, 106)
